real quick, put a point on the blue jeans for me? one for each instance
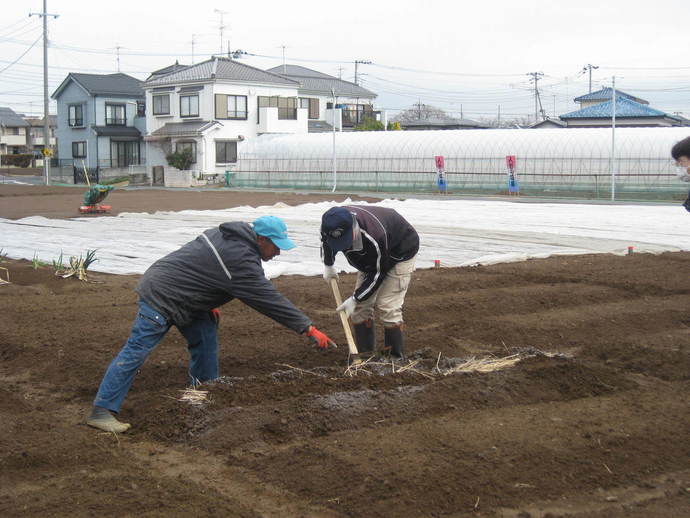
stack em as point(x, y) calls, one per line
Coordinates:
point(148, 330)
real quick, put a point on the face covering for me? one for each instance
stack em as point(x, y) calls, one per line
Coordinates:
point(682, 173)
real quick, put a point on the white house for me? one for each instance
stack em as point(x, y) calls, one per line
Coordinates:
point(353, 103)
point(211, 108)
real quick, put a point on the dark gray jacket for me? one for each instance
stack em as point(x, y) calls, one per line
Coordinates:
point(191, 281)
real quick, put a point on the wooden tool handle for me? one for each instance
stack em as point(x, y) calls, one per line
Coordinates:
point(343, 318)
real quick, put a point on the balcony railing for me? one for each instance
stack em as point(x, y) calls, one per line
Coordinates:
point(115, 122)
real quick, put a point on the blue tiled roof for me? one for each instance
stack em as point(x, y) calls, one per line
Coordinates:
point(624, 108)
point(605, 94)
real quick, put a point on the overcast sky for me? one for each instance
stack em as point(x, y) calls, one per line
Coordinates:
point(457, 55)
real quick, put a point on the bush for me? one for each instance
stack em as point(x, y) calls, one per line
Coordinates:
point(180, 159)
point(369, 124)
point(20, 160)
point(119, 179)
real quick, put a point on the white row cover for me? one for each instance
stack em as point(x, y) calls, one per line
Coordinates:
point(456, 232)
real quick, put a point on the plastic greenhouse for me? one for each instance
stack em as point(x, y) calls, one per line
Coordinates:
point(548, 160)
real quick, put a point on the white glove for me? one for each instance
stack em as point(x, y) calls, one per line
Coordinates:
point(348, 306)
point(329, 272)
point(683, 174)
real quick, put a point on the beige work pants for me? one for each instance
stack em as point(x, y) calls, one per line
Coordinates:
point(388, 299)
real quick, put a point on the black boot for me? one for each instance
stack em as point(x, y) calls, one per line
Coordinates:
point(365, 336)
point(394, 341)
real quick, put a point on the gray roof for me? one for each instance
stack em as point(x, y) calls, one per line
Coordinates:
point(548, 122)
point(38, 122)
point(175, 67)
point(605, 94)
point(315, 126)
point(316, 82)
point(10, 119)
point(104, 84)
point(117, 131)
point(218, 68)
point(183, 129)
point(441, 122)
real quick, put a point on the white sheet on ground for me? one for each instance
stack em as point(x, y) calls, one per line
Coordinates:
point(456, 232)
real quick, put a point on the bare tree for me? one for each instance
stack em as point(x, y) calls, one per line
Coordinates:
point(420, 111)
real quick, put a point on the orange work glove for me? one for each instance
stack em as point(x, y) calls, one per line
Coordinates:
point(320, 339)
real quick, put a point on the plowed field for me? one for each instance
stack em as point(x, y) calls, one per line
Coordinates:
point(588, 417)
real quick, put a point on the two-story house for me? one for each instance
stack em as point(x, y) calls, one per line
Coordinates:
point(353, 103)
point(35, 139)
point(13, 132)
point(100, 120)
point(212, 106)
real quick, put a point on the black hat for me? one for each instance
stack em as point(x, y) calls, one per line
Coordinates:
point(336, 226)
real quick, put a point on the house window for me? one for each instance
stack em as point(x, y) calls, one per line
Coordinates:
point(141, 109)
point(189, 105)
point(226, 151)
point(124, 153)
point(79, 149)
point(161, 104)
point(231, 106)
point(287, 106)
point(312, 105)
point(115, 115)
point(76, 115)
point(187, 144)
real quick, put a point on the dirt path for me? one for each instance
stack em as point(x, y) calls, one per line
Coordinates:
point(21, 201)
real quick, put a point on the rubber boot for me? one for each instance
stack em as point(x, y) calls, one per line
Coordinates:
point(365, 337)
point(394, 341)
point(103, 419)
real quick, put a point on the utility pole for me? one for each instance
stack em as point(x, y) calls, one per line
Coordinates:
point(613, 140)
point(221, 27)
point(536, 76)
point(284, 69)
point(589, 67)
point(360, 62)
point(193, 36)
point(340, 72)
point(498, 121)
point(46, 115)
point(419, 109)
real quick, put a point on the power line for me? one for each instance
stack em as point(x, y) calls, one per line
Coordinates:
point(22, 55)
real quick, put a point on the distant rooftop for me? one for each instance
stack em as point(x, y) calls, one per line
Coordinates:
point(316, 82)
point(175, 67)
point(624, 108)
point(444, 122)
point(103, 84)
point(605, 94)
point(10, 119)
point(219, 68)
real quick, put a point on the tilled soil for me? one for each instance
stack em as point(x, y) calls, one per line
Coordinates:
point(591, 422)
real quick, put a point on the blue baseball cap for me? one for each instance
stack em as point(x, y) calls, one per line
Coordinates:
point(274, 229)
point(336, 227)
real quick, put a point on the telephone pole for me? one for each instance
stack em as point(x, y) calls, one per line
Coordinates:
point(46, 115)
point(193, 40)
point(360, 62)
point(589, 67)
point(536, 76)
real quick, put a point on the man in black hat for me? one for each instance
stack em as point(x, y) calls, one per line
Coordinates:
point(383, 246)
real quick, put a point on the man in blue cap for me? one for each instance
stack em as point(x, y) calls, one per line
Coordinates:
point(383, 247)
point(183, 289)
